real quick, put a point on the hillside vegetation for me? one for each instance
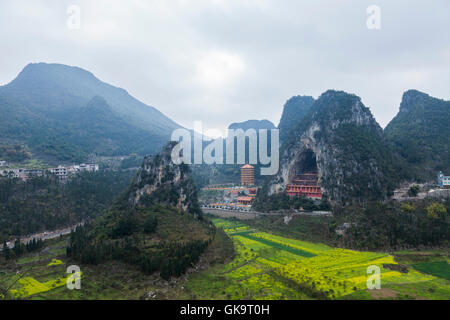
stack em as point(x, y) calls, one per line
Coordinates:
point(156, 224)
point(42, 203)
point(420, 133)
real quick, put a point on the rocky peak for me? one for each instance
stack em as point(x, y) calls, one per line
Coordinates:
point(411, 99)
point(294, 110)
point(338, 107)
point(252, 124)
point(161, 181)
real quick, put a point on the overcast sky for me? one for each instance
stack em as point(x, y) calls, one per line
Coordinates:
point(223, 61)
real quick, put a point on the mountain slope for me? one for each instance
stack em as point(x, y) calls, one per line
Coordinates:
point(294, 110)
point(55, 86)
point(340, 137)
point(97, 129)
point(46, 102)
point(421, 131)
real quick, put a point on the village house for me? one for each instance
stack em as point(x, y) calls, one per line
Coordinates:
point(62, 172)
point(443, 181)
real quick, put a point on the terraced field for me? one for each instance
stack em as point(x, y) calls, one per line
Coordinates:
point(265, 266)
point(272, 267)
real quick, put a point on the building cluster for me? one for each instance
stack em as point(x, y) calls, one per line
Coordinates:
point(62, 172)
point(305, 184)
point(237, 197)
point(443, 181)
point(21, 173)
point(241, 197)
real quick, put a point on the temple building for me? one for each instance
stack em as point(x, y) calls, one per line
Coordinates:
point(245, 200)
point(247, 175)
point(305, 184)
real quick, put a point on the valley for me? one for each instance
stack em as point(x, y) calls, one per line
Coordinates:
point(225, 159)
point(264, 266)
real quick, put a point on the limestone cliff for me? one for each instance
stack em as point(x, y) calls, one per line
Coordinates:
point(161, 181)
point(340, 139)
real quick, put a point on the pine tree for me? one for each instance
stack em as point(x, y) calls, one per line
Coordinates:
point(6, 251)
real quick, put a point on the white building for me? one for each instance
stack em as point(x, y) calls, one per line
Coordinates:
point(63, 172)
point(60, 172)
point(14, 173)
point(90, 167)
point(443, 181)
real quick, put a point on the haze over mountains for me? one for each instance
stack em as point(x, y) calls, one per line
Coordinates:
point(64, 113)
point(67, 113)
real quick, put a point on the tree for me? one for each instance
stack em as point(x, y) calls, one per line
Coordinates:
point(413, 191)
point(6, 251)
point(408, 207)
point(150, 224)
point(435, 210)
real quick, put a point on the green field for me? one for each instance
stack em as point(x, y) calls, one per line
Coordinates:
point(439, 269)
point(267, 266)
point(264, 266)
point(35, 275)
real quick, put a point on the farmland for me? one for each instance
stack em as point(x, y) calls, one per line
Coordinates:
point(43, 276)
point(264, 266)
point(267, 266)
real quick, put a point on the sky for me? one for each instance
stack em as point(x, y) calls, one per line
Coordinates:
point(224, 61)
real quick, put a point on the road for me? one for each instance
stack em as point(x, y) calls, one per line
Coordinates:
point(46, 235)
point(243, 215)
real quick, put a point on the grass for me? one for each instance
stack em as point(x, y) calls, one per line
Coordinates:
point(278, 245)
point(268, 266)
point(55, 262)
point(439, 269)
point(30, 286)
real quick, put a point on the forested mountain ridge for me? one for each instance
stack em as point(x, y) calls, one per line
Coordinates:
point(420, 133)
point(46, 103)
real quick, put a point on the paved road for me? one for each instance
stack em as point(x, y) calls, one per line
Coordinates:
point(242, 215)
point(46, 235)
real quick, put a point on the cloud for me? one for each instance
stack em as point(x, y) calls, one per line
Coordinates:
point(223, 61)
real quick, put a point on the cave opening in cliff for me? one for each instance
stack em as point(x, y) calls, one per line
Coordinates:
point(306, 163)
point(304, 176)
